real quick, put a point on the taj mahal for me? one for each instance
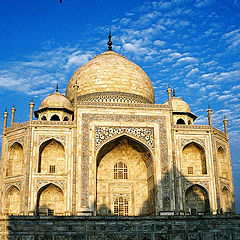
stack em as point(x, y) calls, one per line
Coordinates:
point(105, 148)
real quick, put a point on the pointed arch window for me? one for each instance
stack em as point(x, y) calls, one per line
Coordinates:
point(55, 117)
point(120, 171)
point(180, 121)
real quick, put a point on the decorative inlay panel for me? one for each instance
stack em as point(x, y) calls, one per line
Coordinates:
point(102, 134)
point(16, 140)
point(87, 118)
point(124, 195)
point(10, 184)
point(224, 184)
point(220, 145)
point(41, 183)
point(113, 97)
point(186, 141)
point(187, 184)
point(60, 138)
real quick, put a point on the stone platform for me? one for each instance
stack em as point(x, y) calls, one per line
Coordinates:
point(220, 227)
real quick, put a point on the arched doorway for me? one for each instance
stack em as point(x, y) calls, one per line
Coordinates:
point(50, 200)
point(125, 180)
point(197, 200)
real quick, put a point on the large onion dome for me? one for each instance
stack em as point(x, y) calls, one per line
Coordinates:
point(111, 77)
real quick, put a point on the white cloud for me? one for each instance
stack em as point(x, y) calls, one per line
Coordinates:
point(137, 47)
point(194, 85)
point(78, 58)
point(233, 39)
point(224, 97)
point(193, 72)
point(175, 55)
point(187, 60)
point(159, 43)
point(125, 21)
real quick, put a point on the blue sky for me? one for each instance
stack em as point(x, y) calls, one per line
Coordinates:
point(193, 45)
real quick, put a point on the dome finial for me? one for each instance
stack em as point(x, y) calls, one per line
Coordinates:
point(109, 41)
point(57, 87)
point(174, 94)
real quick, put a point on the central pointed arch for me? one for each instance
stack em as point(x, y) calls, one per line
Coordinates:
point(124, 170)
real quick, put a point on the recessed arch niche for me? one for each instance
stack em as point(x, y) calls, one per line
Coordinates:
point(226, 202)
point(15, 162)
point(221, 156)
point(197, 200)
point(50, 200)
point(194, 157)
point(51, 157)
point(13, 201)
point(135, 161)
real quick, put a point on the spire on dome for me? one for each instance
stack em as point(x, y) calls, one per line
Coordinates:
point(109, 41)
point(174, 94)
point(57, 87)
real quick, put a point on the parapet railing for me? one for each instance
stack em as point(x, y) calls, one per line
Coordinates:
point(36, 123)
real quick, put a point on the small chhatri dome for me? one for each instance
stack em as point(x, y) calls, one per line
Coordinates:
point(179, 105)
point(56, 100)
point(111, 74)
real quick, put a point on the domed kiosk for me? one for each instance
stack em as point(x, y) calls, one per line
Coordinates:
point(106, 148)
point(181, 111)
point(55, 107)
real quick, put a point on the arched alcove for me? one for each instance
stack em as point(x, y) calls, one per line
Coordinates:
point(55, 117)
point(180, 121)
point(44, 118)
point(50, 200)
point(51, 157)
point(226, 201)
point(13, 201)
point(15, 162)
point(222, 161)
point(193, 160)
point(65, 119)
point(197, 200)
point(125, 171)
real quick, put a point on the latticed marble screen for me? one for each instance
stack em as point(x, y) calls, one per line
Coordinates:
point(121, 206)
point(120, 171)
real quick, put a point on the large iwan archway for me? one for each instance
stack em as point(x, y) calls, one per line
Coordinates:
point(125, 180)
